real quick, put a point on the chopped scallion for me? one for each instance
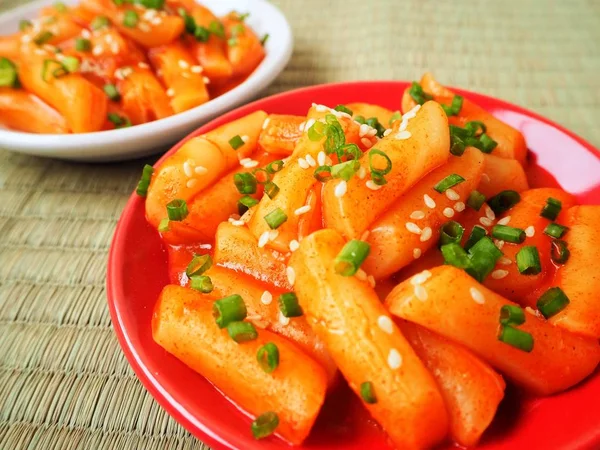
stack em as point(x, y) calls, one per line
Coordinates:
point(394, 117)
point(70, 63)
point(245, 203)
point(551, 209)
point(516, 338)
point(264, 39)
point(144, 183)
point(229, 310)
point(111, 92)
point(198, 265)
point(289, 306)
point(117, 120)
point(344, 109)
point(163, 226)
point(24, 25)
point(271, 189)
point(418, 94)
point(275, 166)
point(152, 4)
point(201, 283)
point(483, 255)
point(376, 157)
point(261, 175)
point(201, 34)
point(477, 233)
point(528, 260)
point(43, 37)
point(350, 258)
point(264, 425)
point(177, 210)
point(268, 357)
point(512, 315)
point(242, 331)
point(275, 218)
point(345, 170)
point(476, 200)
point(503, 201)
point(455, 106)
point(555, 230)
point(236, 142)
point(8, 73)
point(455, 255)
point(553, 301)
point(367, 392)
point(323, 173)
point(245, 183)
point(508, 234)
point(451, 232)
point(99, 22)
point(559, 251)
point(217, 28)
point(83, 45)
point(448, 182)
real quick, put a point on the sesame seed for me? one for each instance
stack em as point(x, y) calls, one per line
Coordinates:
point(489, 213)
point(187, 169)
point(403, 135)
point(394, 359)
point(476, 295)
point(126, 71)
point(420, 278)
point(499, 274)
point(485, 222)
point(291, 275)
point(283, 320)
point(429, 202)
point(504, 261)
point(27, 38)
point(236, 223)
point(200, 170)
point(97, 50)
point(362, 173)
point(459, 206)
point(143, 65)
point(183, 64)
point(144, 27)
point(39, 51)
point(530, 310)
point(371, 280)
point(366, 142)
point(452, 194)
point(196, 69)
point(361, 275)
point(320, 108)
point(108, 38)
point(499, 243)
point(417, 253)
point(149, 14)
point(485, 177)
point(363, 129)
point(417, 215)
point(114, 48)
point(448, 212)
point(191, 183)
point(156, 21)
point(86, 33)
point(303, 163)
point(206, 80)
point(273, 235)
point(426, 234)
point(321, 158)
point(265, 123)
point(309, 123)
point(171, 92)
point(248, 163)
point(372, 185)
point(530, 231)
point(338, 332)
point(302, 210)
point(504, 220)
point(294, 245)
point(365, 235)
point(185, 74)
point(310, 160)
point(159, 72)
point(245, 138)
point(387, 132)
point(340, 189)
point(263, 239)
point(413, 228)
point(386, 324)
point(372, 132)
point(421, 292)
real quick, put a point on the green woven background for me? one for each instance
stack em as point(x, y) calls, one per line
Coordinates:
point(64, 382)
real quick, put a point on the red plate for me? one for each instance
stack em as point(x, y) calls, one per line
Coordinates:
point(137, 271)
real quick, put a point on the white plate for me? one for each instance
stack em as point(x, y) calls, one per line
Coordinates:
point(145, 139)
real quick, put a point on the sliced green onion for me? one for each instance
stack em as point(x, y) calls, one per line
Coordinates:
point(455, 106)
point(245, 203)
point(394, 117)
point(475, 128)
point(512, 315)
point(152, 4)
point(477, 233)
point(349, 151)
point(46, 68)
point(551, 209)
point(242, 331)
point(448, 182)
point(144, 183)
point(275, 218)
point(261, 175)
point(163, 226)
point(553, 301)
point(268, 357)
point(457, 145)
point(555, 230)
point(201, 34)
point(378, 179)
point(508, 234)
point(217, 28)
point(516, 338)
point(227, 310)
point(245, 183)
point(111, 92)
point(236, 142)
point(316, 131)
point(60, 7)
point(83, 45)
point(360, 119)
point(349, 260)
point(289, 306)
point(8, 73)
point(486, 143)
point(130, 18)
point(418, 94)
point(483, 255)
point(60, 71)
point(367, 392)
point(376, 170)
point(177, 210)
point(201, 283)
point(232, 42)
point(451, 231)
point(118, 121)
point(25, 24)
point(271, 189)
point(476, 200)
point(373, 122)
point(99, 22)
point(345, 170)
point(198, 265)
point(43, 37)
point(70, 63)
point(344, 109)
point(275, 166)
point(189, 22)
point(455, 255)
point(503, 201)
point(559, 251)
point(528, 260)
point(264, 425)
point(264, 39)
point(323, 173)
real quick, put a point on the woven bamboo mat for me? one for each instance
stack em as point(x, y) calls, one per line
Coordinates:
point(63, 380)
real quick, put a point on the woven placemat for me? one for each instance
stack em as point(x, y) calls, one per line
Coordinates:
point(64, 382)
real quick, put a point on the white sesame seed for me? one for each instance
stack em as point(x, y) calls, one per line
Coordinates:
point(448, 212)
point(420, 278)
point(149, 14)
point(485, 177)
point(340, 189)
point(361, 275)
point(363, 129)
point(321, 158)
point(294, 245)
point(387, 132)
point(86, 33)
point(421, 293)
point(365, 235)
point(303, 163)
point(386, 324)
point(366, 142)
point(263, 239)
point(426, 234)
point(394, 359)
point(156, 21)
point(244, 138)
point(185, 74)
point(265, 123)
point(403, 135)
point(320, 108)
point(530, 310)
point(504, 261)
point(309, 123)
point(273, 235)
point(485, 222)
point(27, 38)
point(504, 220)
point(97, 50)
point(476, 295)
point(183, 64)
point(200, 170)
point(372, 185)
point(114, 48)
point(248, 163)
point(187, 169)
point(489, 213)
point(417, 215)
point(499, 274)
point(362, 173)
point(310, 160)
point(452, 194)
point(372, 132)
point(108, 38)
point(236, 223)
point(530, 231)
point(429, 202)
point(302, 210)
point(291, 275)
point(417, 253)
point(459, 206)
point(371, 280)
point(143, 65)
point(39, 51)
point(191, 182)
point(144, 27)
point(206, 80)
point(283, 320)
point(413, 228)
point(338, 332)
